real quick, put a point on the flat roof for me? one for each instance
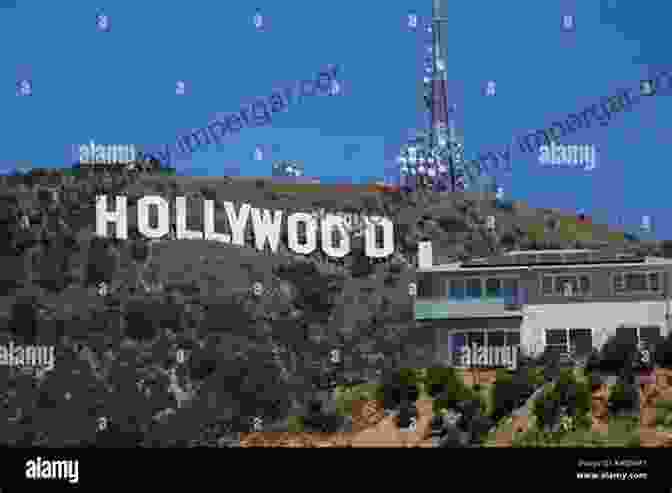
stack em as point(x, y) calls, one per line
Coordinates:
point(457, 266)
point(535, 252)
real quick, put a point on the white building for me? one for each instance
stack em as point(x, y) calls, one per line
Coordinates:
point(559, 299)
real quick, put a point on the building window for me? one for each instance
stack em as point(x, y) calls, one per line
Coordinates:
point(456, 289)
point(565, 341)
point(476, 337)
point(566, 285)
point(547, 285)
point(510, 287)
point(584, 284)
point(477, 287)
point(654, 281)
point(512, 338)
point(474, 289)
point(557, 341)
point(493, 288)
point(637, 282)
point(497, 338)
point(647, 336)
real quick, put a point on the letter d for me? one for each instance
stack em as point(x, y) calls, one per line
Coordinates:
point(372, 250)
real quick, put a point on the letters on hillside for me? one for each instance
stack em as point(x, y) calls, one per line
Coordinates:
point(378, 235)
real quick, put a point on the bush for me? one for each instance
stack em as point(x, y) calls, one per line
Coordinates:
point(510, 391)
point(318, 420)
point(594, 361)
point(479, 427)
point(624, 397)
point(440, 379)
point(575, 397)
point(617, 354)
point(295, 424)
point(346, 396)
point(663, 353)
point(546, 409)
point(313, 289)
point(452, 398)
point(397, 387)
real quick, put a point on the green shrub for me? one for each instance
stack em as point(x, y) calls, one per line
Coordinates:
point(295, 424)
point(511, 391)
point(623, 397)
point(663, 353)
point(397, 387)
point(452, 397)
point(665, 405)
point(347, 395)
point(634, 442)
point(616, 354)
point(546, 408)
point(439, 379)
point(567, 392)
point(447, 388)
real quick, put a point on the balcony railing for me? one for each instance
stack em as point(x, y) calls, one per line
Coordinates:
point(447, 307)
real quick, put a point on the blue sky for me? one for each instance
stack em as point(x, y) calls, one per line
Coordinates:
point(119, 87)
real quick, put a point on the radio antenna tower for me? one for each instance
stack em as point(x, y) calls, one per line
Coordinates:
point(438, 156)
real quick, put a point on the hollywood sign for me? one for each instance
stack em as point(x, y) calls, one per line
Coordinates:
point(265, 226)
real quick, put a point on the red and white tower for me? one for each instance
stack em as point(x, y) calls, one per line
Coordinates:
point(435, 157)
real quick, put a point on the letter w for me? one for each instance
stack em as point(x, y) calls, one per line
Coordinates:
point(265, 229)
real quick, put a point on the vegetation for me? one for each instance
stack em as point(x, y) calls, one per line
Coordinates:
point(622, 432)
point(663, 353)
point(510, 391)
point(624, 397)
point(347, 395)
point(567, 397)
point(398, 387)
point(243, 355)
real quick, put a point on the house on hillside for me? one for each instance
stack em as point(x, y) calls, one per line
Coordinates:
point(563, 300)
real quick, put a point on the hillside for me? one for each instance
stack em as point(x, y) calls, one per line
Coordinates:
point(195, 296)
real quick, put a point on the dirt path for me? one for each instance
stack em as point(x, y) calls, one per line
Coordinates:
point(649, 396)
point(371, 428)
point(386, 434)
